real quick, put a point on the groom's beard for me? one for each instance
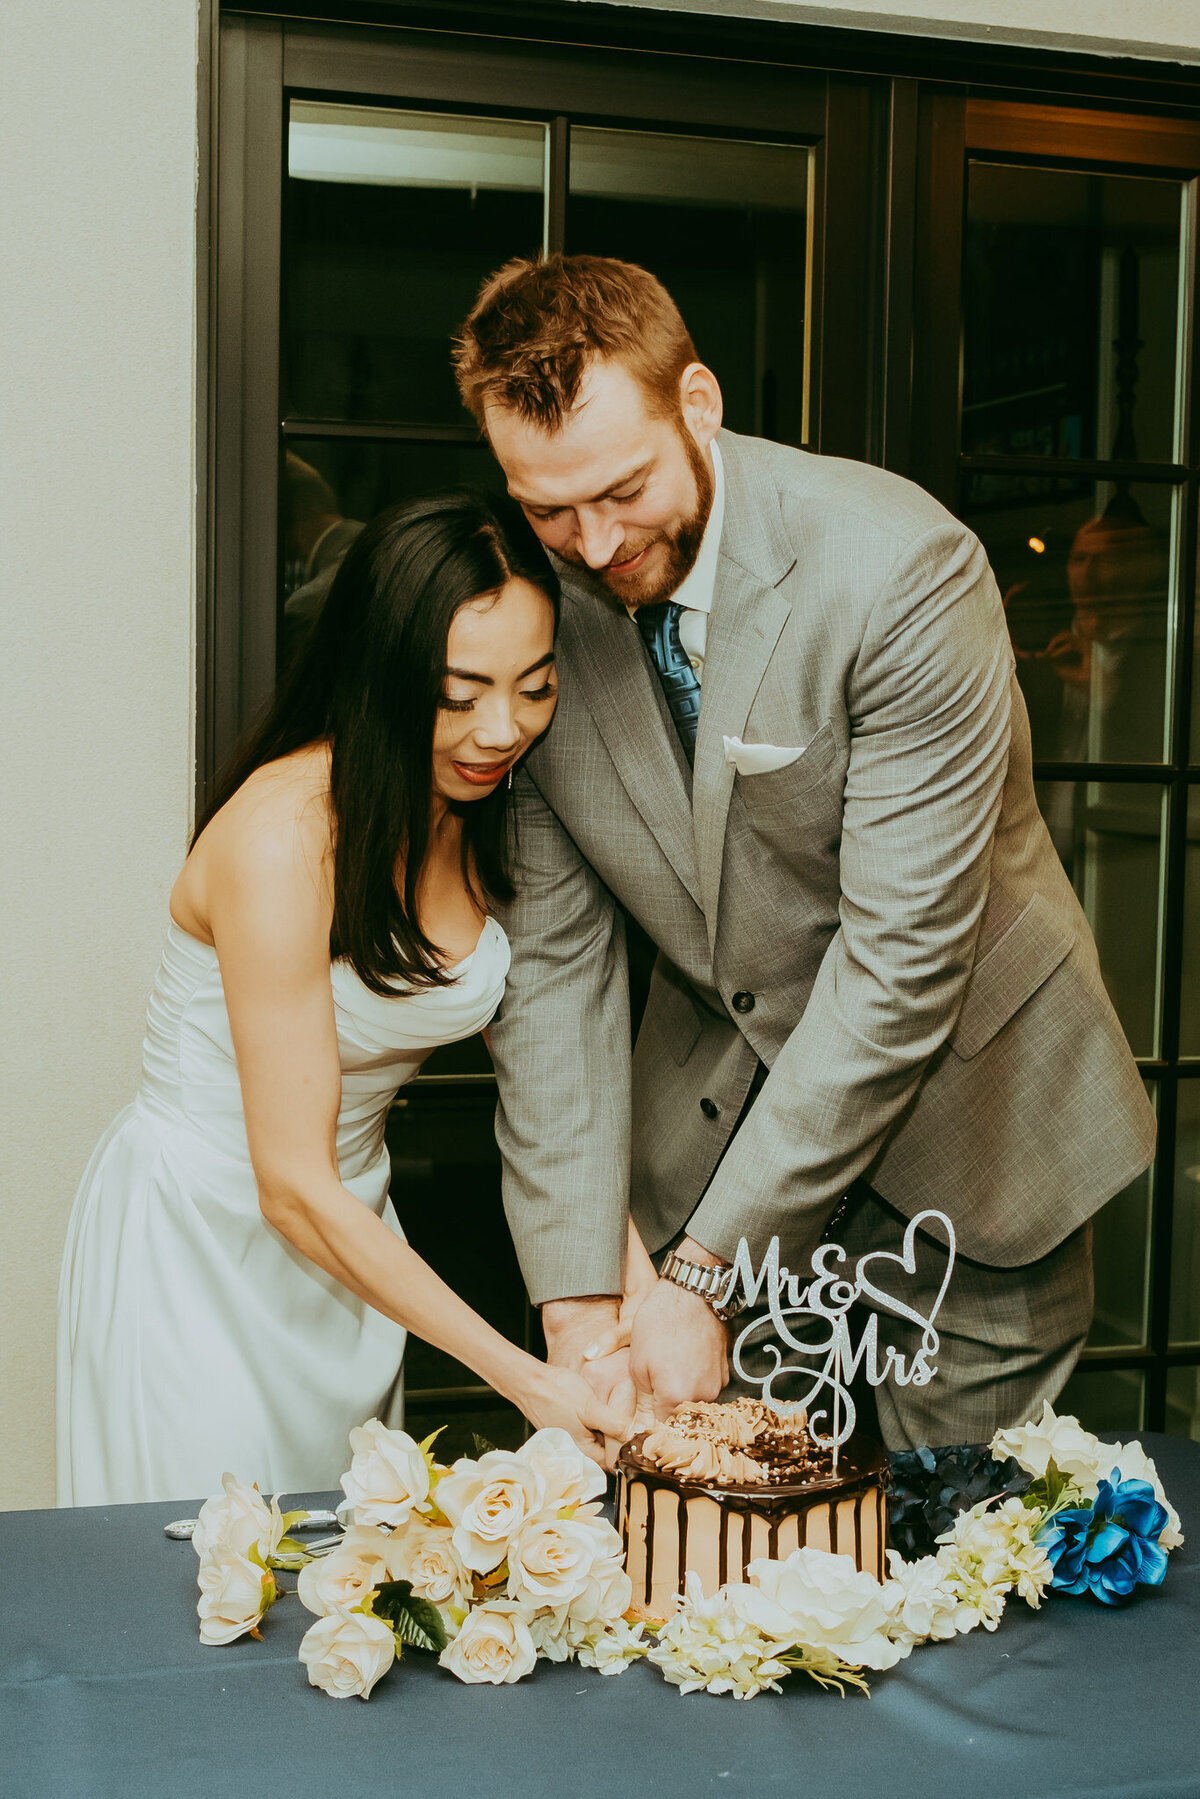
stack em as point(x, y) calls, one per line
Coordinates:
point(666, 572)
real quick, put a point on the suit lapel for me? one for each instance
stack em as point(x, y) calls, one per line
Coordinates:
point(602, 645)
point(748, 614)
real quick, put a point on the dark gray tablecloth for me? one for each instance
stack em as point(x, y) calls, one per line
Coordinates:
point(105, 1691)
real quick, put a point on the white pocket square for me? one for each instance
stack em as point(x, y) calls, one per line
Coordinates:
point(758, 758)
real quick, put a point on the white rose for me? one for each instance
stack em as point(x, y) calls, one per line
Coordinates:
point(234, 1594)
point(424, 1554)
point(346, 1653)
point(1135, 1464)
point(571, 1478)
point(607, 1594)
point(830, 1604)
point(551, 1560)
point(388, 1478)
point(341, 1580)
point(494, 1645)
point(240, 1518)
point(1063, 1441)
point(488, 1502)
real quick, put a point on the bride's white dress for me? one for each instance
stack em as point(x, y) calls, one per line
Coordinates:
point(192, 1337)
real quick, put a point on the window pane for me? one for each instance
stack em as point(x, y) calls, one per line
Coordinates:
point(332, 486)
point(1189, 1013)
point(1110, 837)
point(442, 1143)
point(1071, 304)
point(392, 221)
point(724, 226)
point(1183, 1402)
point(1085, 571)
point(1121, 1260)
point(1109, 1401)
point(1185, 1229)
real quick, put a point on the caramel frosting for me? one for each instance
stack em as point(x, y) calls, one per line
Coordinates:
point(708, 1441)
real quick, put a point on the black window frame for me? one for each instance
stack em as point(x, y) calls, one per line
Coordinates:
point(892, 121)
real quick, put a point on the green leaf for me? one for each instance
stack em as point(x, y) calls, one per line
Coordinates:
point(415, 1621)
point(482, 1446)
point(1051, 1492)
point(290, 1518)
point(430, 1440)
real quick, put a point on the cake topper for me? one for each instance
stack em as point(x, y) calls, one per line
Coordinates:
point(825, 1353)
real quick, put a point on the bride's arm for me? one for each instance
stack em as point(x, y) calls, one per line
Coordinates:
point(268, 908)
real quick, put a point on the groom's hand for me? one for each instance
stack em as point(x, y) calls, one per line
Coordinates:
point(591, 1336)
point(679, 1349)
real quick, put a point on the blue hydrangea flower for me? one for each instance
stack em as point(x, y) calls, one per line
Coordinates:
point(1107, 1547)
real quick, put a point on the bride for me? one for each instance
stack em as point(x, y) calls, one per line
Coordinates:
point(235, 1289)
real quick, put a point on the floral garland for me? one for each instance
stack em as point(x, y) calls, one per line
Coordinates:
point(503, 1559)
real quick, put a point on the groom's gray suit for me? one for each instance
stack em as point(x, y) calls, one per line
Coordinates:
point(883, 922)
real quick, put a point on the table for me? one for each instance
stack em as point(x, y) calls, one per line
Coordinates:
point(107, 1693)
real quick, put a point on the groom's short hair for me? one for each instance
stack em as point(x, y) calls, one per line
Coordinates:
point(538, 323)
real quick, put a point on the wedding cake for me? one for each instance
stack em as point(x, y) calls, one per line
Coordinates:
point(719, 1485)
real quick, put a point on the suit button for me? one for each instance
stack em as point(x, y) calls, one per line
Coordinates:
point(743, 1002)
point(710, 1108)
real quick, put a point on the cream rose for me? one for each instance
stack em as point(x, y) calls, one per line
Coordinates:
point(571, 1478)
point(607, 1594)
point(341, 1580)
point(346, 1653)
point(821, 1600)
point(388, 1478)
point(234, 1594)
point(489, 1502)
point(551, 1560)
point(424, 1554)
point(1063, 1441)
point(238, 1517)
point(494, 1645)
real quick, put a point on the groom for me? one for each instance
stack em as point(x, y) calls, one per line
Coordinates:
point(790, 743)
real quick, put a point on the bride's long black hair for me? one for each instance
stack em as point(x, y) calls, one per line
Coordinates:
point(368, 680)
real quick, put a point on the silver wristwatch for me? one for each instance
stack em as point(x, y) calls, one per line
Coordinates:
point(712, 1285)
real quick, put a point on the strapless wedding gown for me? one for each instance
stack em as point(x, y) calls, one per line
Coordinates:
point(192, 1337)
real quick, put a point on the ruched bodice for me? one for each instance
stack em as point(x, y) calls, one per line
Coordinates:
point(193, 1337)
point(189, 1071)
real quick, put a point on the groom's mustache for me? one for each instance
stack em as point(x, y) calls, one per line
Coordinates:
point(626, 553)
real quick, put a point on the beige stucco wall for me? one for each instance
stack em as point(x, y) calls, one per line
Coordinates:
point(1156, 28)
point(98, 110)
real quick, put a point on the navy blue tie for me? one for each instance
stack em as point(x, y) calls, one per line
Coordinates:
point(659, 626)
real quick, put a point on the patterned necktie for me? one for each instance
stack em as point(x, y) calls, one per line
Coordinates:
point(659, 626)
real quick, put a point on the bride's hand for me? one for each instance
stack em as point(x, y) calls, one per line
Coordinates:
point(565, 1399)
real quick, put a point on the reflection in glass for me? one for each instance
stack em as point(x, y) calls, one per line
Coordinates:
point(725, 228)
point(1183, 1402)
point(1185, 1227)
point(442, 1142)
point(1085, 572)
point(1071, 313)
point(1121, 1262)
point(1110, 837)
point(329, 489)
point(393, 219)
point(1108, 1401)
point(1189, 1011)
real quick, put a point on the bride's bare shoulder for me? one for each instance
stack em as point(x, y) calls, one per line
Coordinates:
point(272, 838)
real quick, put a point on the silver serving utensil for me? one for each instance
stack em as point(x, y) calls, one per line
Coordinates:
point(182, 1528)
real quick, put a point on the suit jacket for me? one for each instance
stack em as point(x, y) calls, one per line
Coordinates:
point(884, 922)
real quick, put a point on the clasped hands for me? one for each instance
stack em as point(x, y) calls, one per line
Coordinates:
point(656, 1347)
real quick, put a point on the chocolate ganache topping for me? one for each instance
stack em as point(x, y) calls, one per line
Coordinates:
point(743, 1444)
